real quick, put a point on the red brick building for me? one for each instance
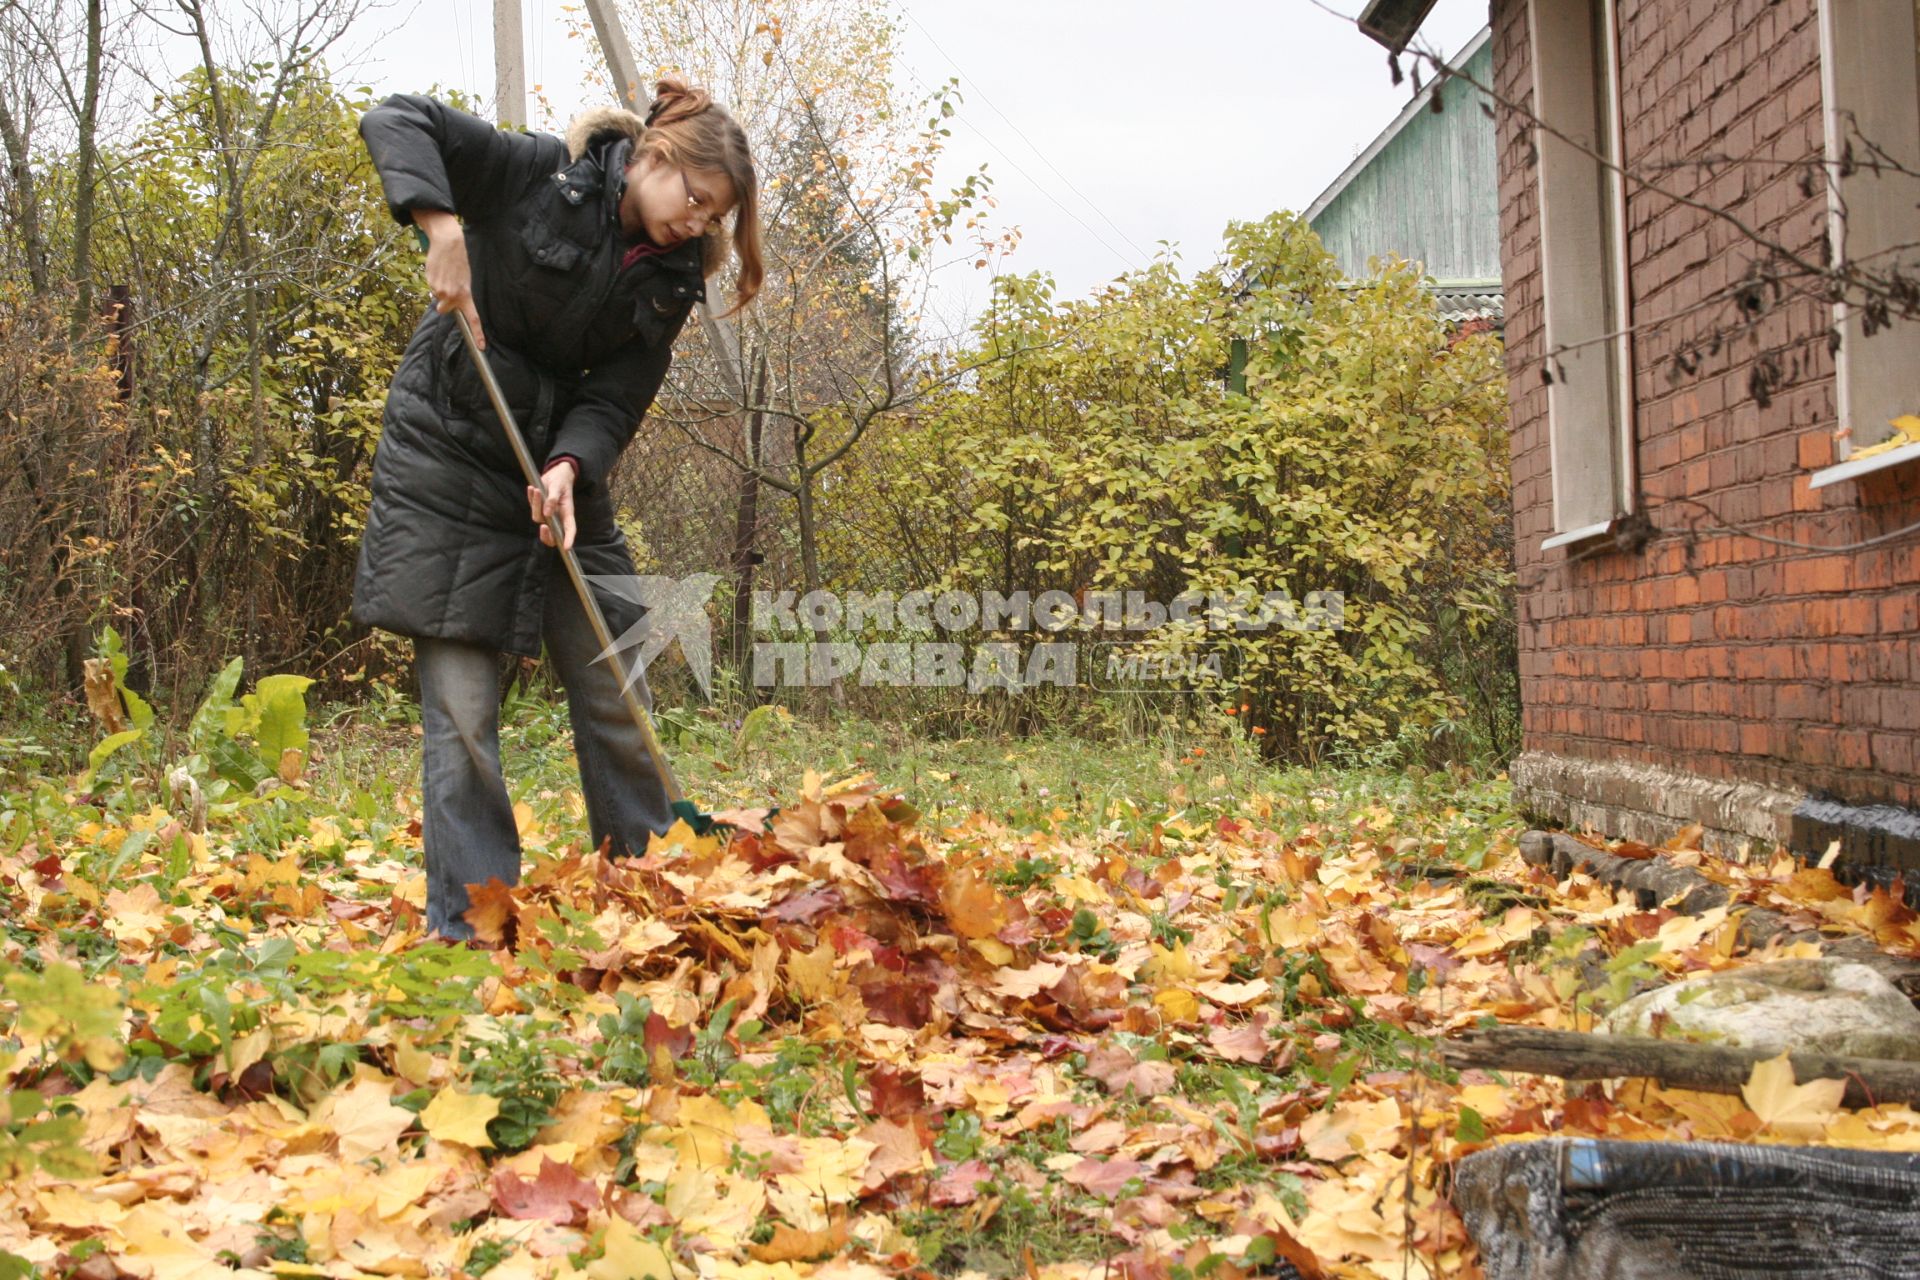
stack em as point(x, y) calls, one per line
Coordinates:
point(1703, 635)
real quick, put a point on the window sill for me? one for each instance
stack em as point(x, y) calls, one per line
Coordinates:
point(1581, 534)
point(1864, 466)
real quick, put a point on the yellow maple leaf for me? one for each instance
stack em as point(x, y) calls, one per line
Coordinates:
point(1177, 1005)
point(402, 1185)
point(137, 915)
point(994, 951)
point(454, 1116)
point(411, 1061)
point(1350, 1128)
point(630, 1255)
point(264, 873)
point(158, 1242)
point(832, 1170)
point(1291, 927)
point(1786, 1107)
point(1234, 993)
point(69, 1207)
point(720, 1209)
point(1168, 968)
point(364, 1118)
point(1492, 938)
point(705, 1127)
point(810, 974)
point(1024, 984)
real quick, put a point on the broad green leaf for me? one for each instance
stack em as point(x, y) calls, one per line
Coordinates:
point(275, 716)
point(211, 716)
point(755, 723)
point(105, 749)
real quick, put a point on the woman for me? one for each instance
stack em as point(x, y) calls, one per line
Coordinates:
point(576, 263)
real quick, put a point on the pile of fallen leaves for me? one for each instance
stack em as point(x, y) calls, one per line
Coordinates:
point(835, 1046)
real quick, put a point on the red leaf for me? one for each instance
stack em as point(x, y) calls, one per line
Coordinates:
point(898, 1000)
point(1092, 1001)
point(1245, 1043)
point(557, 1195)
point(1105, 1178)
point(1021, 931)
point(1119, 1070)
point(659, 1033)
point(895, 1094)
point(958, 1185)
point(809, 905)
point(901, 882)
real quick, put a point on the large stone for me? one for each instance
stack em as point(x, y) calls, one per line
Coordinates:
point(1813, 1006)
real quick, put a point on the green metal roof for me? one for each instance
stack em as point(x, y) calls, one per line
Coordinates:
point(1427, 188)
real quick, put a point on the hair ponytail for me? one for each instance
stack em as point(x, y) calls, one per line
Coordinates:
point(674, 100)
point(686, 126)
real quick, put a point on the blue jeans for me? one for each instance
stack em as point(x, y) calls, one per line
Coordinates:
point(467, 823)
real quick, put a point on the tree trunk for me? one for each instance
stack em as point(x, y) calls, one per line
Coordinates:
point(809, 546)
point(84, 180)
point(77, 643)
point(26, 213)
point(746, 527)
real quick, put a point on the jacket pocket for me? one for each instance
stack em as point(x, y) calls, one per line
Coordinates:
point(546, 248)
point(662, 306)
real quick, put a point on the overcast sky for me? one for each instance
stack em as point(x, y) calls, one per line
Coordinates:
point(1108, 125)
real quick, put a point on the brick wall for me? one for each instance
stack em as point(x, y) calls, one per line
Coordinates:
point(1706, 652)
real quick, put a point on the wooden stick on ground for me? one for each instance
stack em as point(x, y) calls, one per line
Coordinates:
point(1712, 1068)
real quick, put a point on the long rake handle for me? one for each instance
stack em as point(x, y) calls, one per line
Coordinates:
point(638, 709)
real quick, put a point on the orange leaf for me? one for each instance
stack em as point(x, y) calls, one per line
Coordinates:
point(491, 912)
point(973, 908)
point(792, 1245)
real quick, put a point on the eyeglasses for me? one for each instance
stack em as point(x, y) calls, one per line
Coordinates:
point(695, 201)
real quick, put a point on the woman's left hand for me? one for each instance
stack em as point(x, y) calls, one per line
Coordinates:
point(555, 498)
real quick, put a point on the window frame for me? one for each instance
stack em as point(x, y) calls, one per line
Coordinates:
point(1863, 75)
point(1587, 302)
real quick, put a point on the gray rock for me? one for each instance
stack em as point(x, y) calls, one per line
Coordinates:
point(1816, 1006)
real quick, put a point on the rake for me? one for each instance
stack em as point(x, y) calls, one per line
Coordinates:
point(683, 808)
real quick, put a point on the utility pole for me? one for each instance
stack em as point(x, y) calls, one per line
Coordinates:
point(619, 55)
point(633, 94)
point(509, 66)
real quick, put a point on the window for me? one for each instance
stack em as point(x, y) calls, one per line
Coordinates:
point(1870, 79)
point(1583, 268)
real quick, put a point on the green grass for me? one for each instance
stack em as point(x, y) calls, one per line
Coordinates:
point(364, 764)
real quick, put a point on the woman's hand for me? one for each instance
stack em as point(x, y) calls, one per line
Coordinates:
point(555, 498)
point(449, 274)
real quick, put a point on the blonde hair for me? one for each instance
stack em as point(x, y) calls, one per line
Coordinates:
point(686, 126)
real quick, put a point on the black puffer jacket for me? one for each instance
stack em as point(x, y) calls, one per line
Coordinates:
point(579, 346)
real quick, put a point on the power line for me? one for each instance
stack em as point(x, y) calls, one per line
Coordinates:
point(460, 50)
point(1139, 253)
point(1021, 134)
point(1015, 164)
point(537, 79)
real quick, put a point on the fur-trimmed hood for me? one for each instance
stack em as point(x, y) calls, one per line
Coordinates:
point(600, 124)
